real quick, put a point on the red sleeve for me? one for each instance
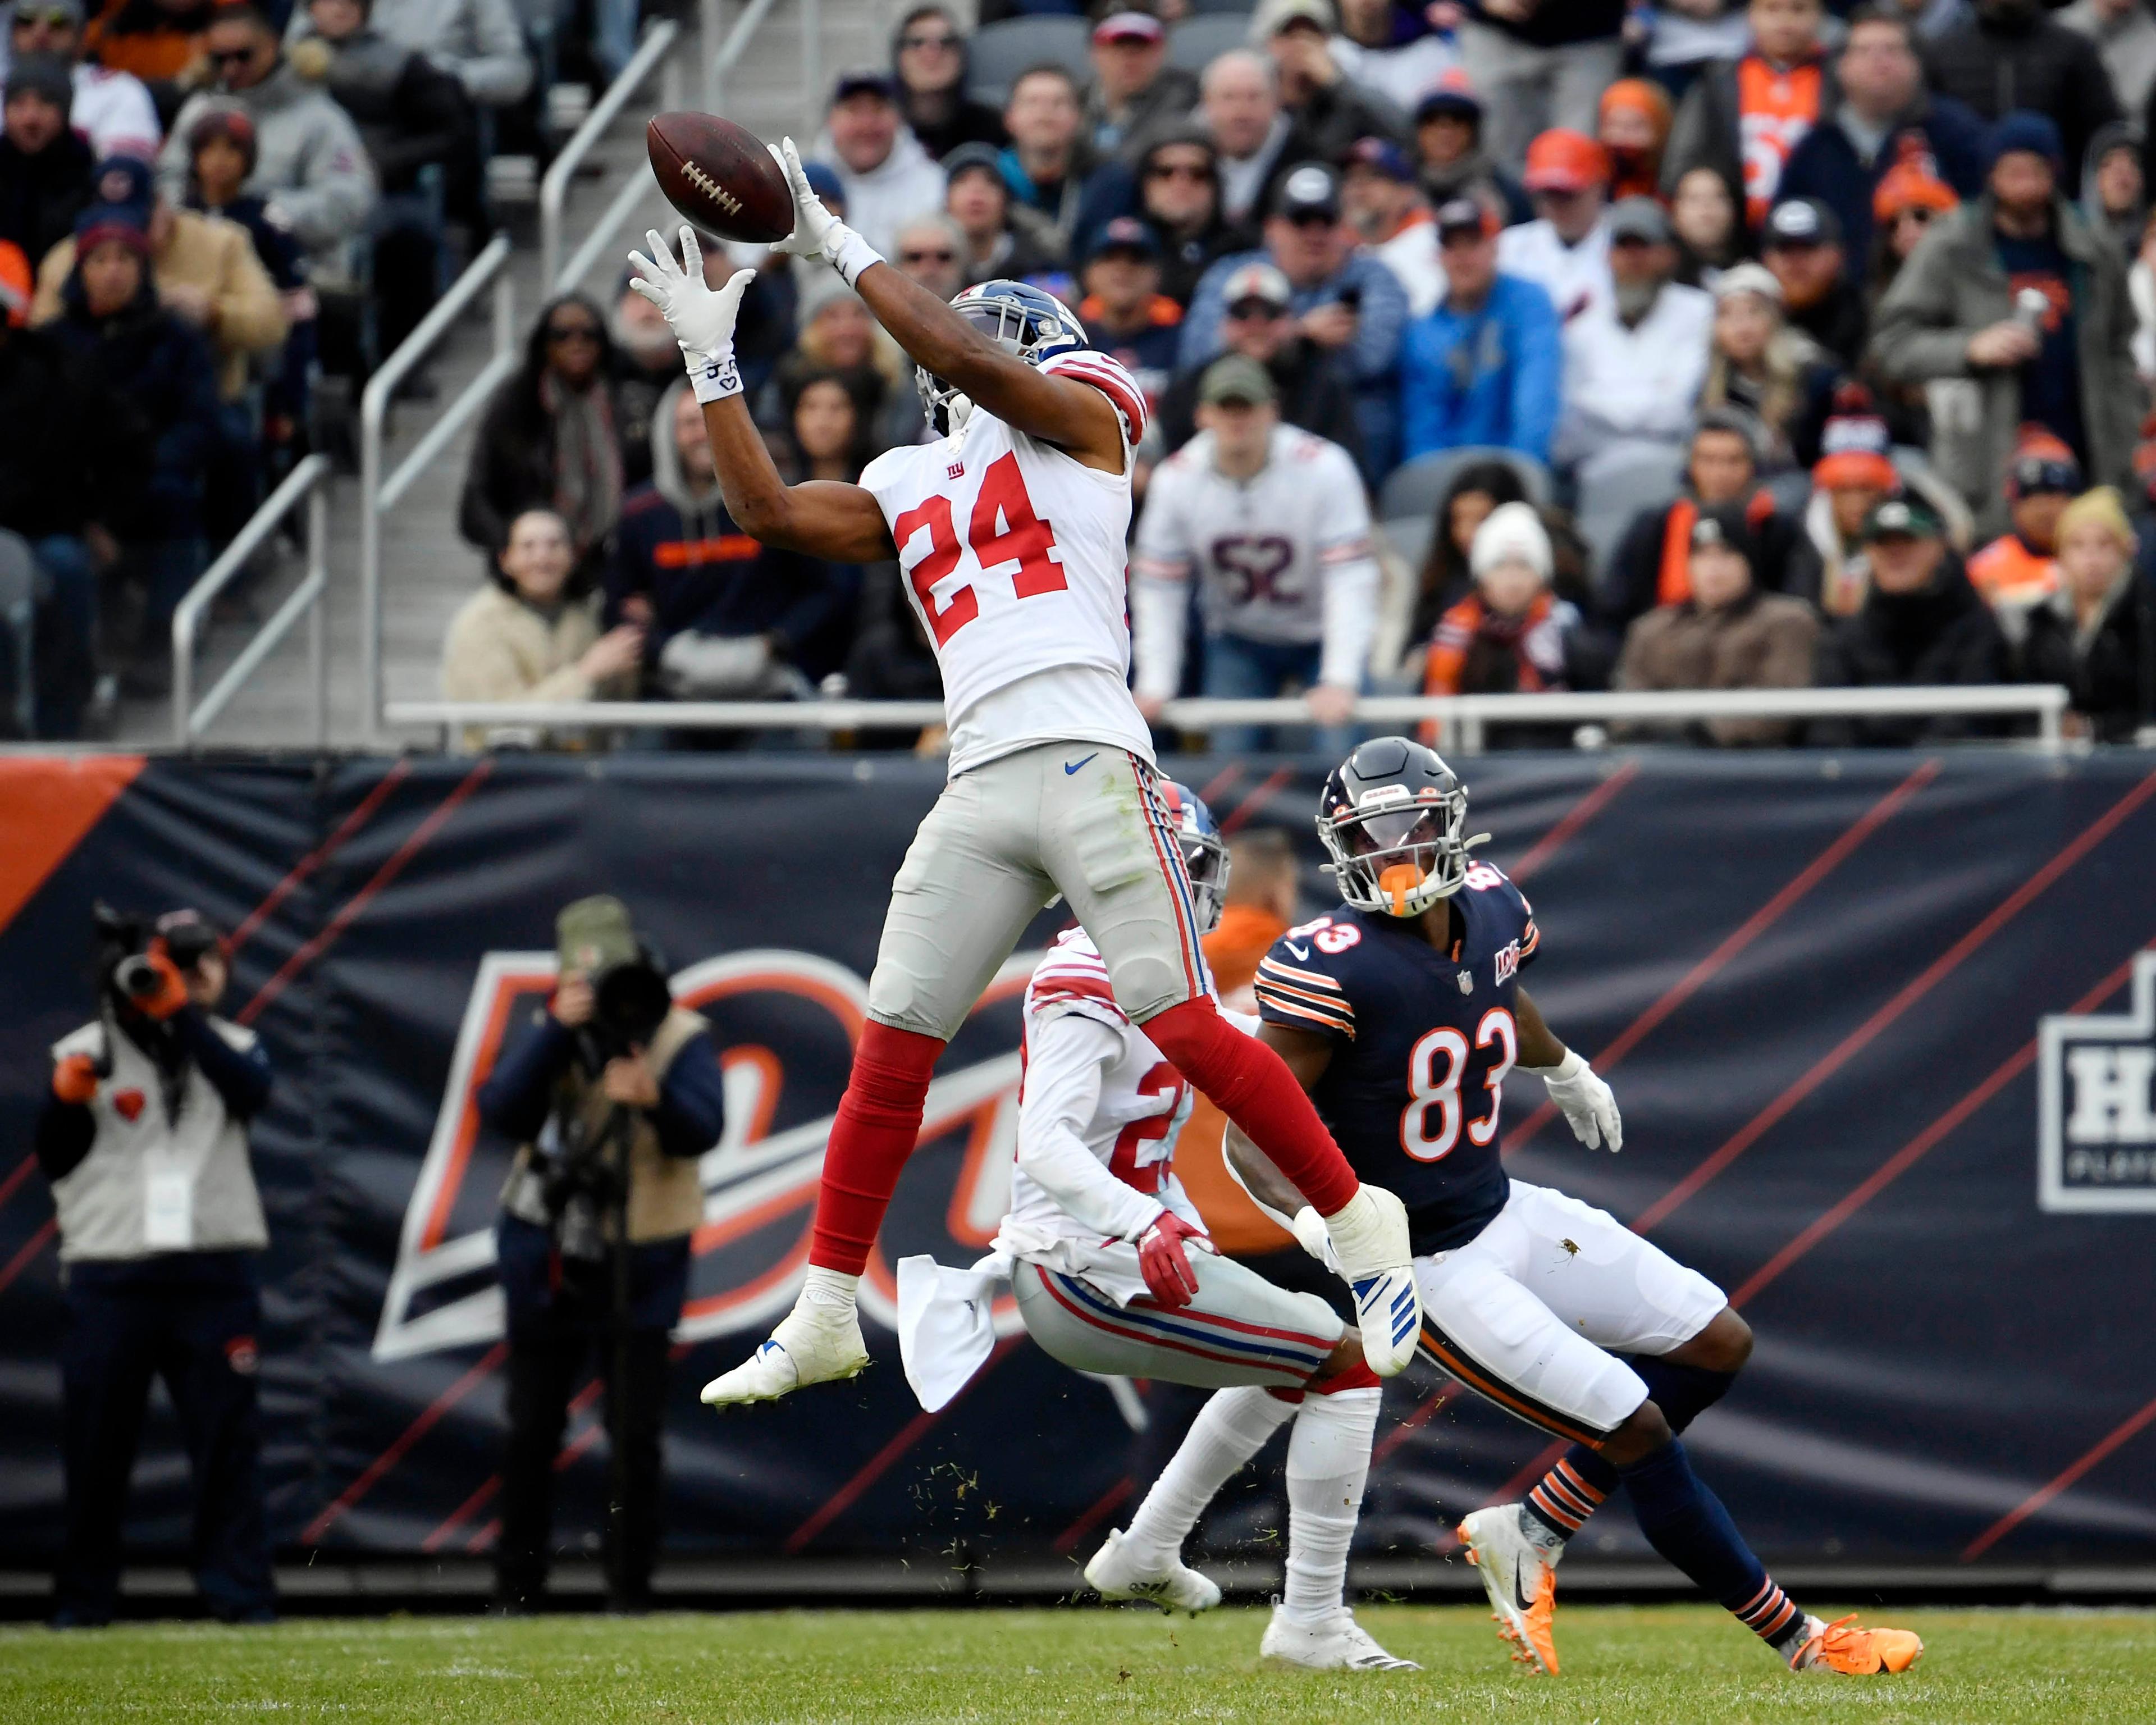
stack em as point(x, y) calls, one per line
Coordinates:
point(1108, 375)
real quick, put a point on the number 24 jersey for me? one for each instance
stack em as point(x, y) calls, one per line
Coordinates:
point(1422, 1041)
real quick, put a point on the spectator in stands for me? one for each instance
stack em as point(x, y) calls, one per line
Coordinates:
point(1257, 320)
point(928, 53)
point(1390, 52)
point(44, 167)
point(1742, 117)
point(1046, 161)
point(1486, 365)
point(1378, 192)
point(1260, 640)
point(2011, 56)
point(1330, 109)
point(888, 177)
point(1855, 475)
point(837, 334)
point(2064, 360)
point(310, 163)
point(1540, 63)
point(134, 351)
point(1346, 302)
point(1124, 311)
point(932, 250)
point(550, 440)
point(413, 117)
point(2021, 565)
point(1452, 161)
point(1447, 575)
point(1909, 200)
point(1703, 218)
point(1633, 125)
point(532, 634)
point(1801, 243)
point(1633, 365)
point(978, 200)
point(1262, 880)
point(1565, 250)
point(1921, 624)
point(479, 42)
point(1725, 633)
point(2124, 32)
point(647, 360)
point(112, 110)
point(1511, 635)
point(721, 616)
point(1255, 143)
point(824, 429)
point(1135, 93)
point(1651, 564)
point(2114, 196)
point(2096, 634)
point(1776, 374)
point(1177, 195)
point(158, 41)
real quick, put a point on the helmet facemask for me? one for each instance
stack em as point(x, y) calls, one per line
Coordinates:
point(1206, 855)
point(1400, 851)
point(1029, 332)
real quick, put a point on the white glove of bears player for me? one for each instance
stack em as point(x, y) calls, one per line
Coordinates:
point(701, 317)
point(1589, 1104)
point(817, 233)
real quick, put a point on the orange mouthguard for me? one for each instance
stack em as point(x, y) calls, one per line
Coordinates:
point(1397, 882)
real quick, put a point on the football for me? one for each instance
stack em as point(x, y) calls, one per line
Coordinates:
point(721, 177)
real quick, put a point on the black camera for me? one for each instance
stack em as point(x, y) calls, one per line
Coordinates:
point(124, 942)
point(630, 1002)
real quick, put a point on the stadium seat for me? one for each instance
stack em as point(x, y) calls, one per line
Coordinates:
point(1415, 487)
point(1196, 42)
point(1619, 486)
point(1240, 8)
point(1409, 536)
point(996, 55)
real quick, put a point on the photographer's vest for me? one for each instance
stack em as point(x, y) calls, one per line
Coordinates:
point(151, 1183)
point(665, 1196)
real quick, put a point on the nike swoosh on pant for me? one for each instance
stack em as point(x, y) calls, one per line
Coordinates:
point(1072, 767)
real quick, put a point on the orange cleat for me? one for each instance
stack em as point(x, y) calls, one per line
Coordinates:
point(1849, 1649)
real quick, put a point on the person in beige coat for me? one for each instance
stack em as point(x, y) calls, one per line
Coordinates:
point(205, 269)
point(1727, 635)
point(529, 636)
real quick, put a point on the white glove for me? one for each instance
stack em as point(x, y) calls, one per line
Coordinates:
point(817, 233)
point(1589, 1104)
point(701, 317)
point(1309, 1234)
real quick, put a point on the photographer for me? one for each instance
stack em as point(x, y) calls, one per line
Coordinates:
point(144, 1140)
point(611, 1097)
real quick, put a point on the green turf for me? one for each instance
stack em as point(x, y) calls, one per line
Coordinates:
point(1625, 1665)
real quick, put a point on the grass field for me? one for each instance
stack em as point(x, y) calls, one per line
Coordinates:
point(1625, 1665)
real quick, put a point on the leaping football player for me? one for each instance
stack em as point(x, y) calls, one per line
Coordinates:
point(1010, 528)
point(1402, 1017)
point(1115, 1275)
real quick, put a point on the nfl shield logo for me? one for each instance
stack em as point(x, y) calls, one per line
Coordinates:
point(1467, 982)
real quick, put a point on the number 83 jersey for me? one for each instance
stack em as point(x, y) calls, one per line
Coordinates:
point(1422, 1040)
point(1013, 555)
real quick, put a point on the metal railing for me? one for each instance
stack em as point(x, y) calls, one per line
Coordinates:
point(554, 189)
point(377, 494)
point(2046, 702)
point(306, 483)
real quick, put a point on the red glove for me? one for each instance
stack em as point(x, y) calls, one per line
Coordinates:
point(171, 985)
point(74, 1078)
point(1164, 1264)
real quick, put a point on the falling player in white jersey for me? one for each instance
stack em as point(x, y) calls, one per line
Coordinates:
point(1273, 525)
point(1115, 1275)
point(1010, 529)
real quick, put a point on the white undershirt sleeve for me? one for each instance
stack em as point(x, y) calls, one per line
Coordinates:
point(1348, 561)
point(1067, 1054)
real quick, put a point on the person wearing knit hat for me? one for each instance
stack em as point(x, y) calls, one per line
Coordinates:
point(113, 111)
point(1908, 203)
point(2021, 566)
point(44, 167)
point(2097, 633)
point(1633, 125)
point(1511, 635)
point(1763, 365)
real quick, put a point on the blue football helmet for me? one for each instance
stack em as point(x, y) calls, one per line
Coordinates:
point(1205, 851)
point(1020, 318)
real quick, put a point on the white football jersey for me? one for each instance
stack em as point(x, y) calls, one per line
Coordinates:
point(1260, 548)
point(1014, 557)
point(1144, 1101)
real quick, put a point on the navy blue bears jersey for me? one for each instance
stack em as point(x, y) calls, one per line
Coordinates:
point(1422, 1040)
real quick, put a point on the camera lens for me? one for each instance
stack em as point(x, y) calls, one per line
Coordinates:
point(135, 976)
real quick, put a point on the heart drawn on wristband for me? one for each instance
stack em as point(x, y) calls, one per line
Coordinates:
point(128, 1102)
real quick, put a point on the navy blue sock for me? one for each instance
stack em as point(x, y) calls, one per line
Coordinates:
point(1572, 1490)
point(1687, 1523)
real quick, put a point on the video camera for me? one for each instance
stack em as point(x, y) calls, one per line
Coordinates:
point(124, 942)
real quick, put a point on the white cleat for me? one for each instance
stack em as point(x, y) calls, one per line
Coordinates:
point(1336, 1642)
point(1517, 1576)
point(1369, 1236)
point(1115, 1574)
point(812, 1344)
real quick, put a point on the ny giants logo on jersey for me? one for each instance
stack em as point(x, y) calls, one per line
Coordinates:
point(2096, 1105)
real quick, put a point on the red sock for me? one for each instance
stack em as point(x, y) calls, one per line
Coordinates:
point(878, 1121)
point(1252, 1085)
point(1358, 1376)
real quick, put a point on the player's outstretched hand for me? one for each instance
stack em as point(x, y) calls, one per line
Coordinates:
point(1589, 1104)
point(701, 317)
point(812, 222)
point(1165, 1263)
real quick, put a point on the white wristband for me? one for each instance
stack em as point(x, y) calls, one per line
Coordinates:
point(1571, 1066)
point(713, 376)
point(849, 252)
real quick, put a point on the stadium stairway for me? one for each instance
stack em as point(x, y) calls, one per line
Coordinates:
point(427, 570)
